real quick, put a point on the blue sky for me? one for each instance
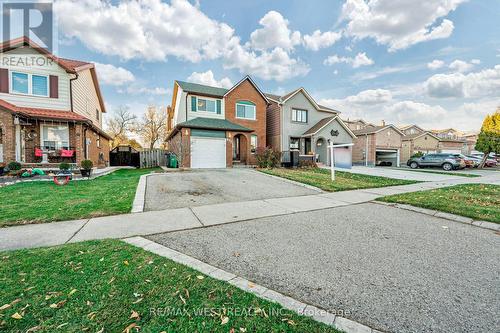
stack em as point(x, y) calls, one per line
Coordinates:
point(430, 62)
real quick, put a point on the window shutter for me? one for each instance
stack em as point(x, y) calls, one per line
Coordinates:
point(4, 80)
point(54, 86)
point(218, 106)
point(193, 103)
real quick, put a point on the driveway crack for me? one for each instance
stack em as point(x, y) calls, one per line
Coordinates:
point(76, 232)
point(192, 211)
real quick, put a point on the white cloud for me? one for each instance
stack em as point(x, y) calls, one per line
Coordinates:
point(461, 66)
point(435, 64)
point(475, 61)
point(361, 59)
point(274, 33)
point(114, 76)
point(413, 112)
point(364, 98)
point(140, 90)
point(485, 83)
point(208, 78)
point(399, 23)
point(275, 64)
point(319, 40)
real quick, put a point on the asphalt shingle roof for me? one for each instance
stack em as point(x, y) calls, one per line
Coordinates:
point(368, 130)
point(318, 125)
point(202, 89)
point(215, 124)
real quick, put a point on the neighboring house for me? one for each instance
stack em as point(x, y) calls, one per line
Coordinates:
point(296, 122)
point(376, 144)
point(424, 142)
point(50, 108)
point(356, 124)
point(411, 129)
point(453, 146)
point(211, 127)
point(447, 133)
point(470, 142)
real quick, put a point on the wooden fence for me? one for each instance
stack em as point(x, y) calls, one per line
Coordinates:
point(151, 158)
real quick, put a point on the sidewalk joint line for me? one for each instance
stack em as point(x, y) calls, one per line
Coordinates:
point(76, 232)
point(192, 211)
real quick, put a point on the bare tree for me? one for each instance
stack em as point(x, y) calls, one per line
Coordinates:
point(152, 128)
point(120, 125)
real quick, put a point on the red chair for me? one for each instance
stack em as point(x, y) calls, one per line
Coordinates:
point(38, 152)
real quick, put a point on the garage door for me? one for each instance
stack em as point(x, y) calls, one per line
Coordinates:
point(208, 152)
point(451, 151)
point(387, 157)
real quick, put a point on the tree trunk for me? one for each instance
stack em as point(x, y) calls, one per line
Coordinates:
point(483, 162)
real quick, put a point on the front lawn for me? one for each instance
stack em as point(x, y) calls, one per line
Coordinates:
point(477, 201)
point(110, 286)
point(321, 178)
point(38, 202)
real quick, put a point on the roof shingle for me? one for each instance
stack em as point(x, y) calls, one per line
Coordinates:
point(213, 123)
point(202, 89)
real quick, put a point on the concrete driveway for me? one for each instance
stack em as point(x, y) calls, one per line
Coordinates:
point(206, 187)
point(420, 175)
point(390, 269)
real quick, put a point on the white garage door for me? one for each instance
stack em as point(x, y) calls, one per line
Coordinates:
point(451, 151)
point(208, 152)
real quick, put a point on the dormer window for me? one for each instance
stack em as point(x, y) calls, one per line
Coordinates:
point(29, 84)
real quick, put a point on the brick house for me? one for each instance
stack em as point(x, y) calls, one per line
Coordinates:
point(376, 144)
point(50, 108)
point(424, 142)
point(212, 127)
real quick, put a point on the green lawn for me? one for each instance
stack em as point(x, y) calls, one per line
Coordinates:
point(451, 173)
point(477, 201)
point(109, 286)
point(343, 180)
point(38, 202)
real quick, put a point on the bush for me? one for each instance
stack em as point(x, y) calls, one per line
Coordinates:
point(268, 158)
point(64, 166)
point(307, 164)
point(417, 154)
point(14, 166)
point(87, 164)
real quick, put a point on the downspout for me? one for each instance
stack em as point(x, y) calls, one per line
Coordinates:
point(186, 106)
point(71, 91)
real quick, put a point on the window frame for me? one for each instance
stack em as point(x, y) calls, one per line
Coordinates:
point(290, 142)
point(295, 113)
point(30, 84)
point(253, 146)
point(208, 99)
point(56, 147)
point(245, 105)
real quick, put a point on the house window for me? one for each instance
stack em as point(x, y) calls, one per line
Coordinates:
point(55, 137)
point(245, 110)
point(294, 143)
point(30, 84)
point(206, 105)
point(299, 116)
point(97, 114)
point(253, 144)
point(98, 141)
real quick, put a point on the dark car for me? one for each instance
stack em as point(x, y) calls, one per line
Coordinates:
point(443, 160)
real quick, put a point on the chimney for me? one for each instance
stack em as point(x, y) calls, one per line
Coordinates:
point(382, 123)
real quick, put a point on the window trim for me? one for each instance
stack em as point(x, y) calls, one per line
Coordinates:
point(298, 121)
point(42, 125)
point(209, 99)
point(30, 84)
point(245, 105)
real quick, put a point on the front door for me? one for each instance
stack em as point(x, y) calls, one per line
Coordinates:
point(236, 148)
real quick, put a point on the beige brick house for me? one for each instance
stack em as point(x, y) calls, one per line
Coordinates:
point(376, 144)
point(50, 108)
point(424, 142)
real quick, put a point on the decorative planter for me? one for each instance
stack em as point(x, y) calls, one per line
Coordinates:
point(86, 173)
point(1, 171)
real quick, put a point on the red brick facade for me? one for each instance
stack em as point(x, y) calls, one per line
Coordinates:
point(274, 126)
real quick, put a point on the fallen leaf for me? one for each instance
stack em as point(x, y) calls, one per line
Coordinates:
point(102, 259)
point(28, 289)
point(91, 315)
point(182, 299)
point(5, 306)
point(72, 292)
point(111, 281)
point(129, 328)
point(17, 300)
point(200, 277)
point(58, 304)
point(101, 330)
point(224, 320)
point(134, 315)
point(125, 262)
point(242, 329)
point(137, 301)
point(33, 329)
point(62, 325)
point(16, 316)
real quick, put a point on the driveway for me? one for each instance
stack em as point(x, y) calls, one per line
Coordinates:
point(206, 187)
point(404, 174)
point(391, 269)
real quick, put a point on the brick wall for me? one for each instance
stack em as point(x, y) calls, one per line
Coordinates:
point(247, 92)
point(273, 119)
point(95, 149)
point(8, 139)
point(388, 138)
point(180, 144)
point(358, 158)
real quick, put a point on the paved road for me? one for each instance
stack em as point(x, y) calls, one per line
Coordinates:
point(393, 270)
point(206, 187)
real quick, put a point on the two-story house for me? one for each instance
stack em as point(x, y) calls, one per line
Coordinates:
point(296, 122)
point(50, 108)
point(378, 145)
point(212, 127)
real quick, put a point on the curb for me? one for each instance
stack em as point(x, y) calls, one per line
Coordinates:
point(140, 195)
point(443, 215)
point(289, 303)
point(314, 188)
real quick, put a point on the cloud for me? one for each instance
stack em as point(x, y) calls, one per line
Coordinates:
point(208, 78)
point(361, 59)
point(276, 64)
point(111, 75)
point(485, 83)
point(413, 112)
point(371, 96)
point(461, 66)
point(319, 40)
point(399, 23)
point(435, 64)
point(274, 33)
point(140, 90)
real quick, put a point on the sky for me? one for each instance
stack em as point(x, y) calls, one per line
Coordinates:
point(435, 63)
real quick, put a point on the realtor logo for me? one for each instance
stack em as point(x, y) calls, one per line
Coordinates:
point(32, 19)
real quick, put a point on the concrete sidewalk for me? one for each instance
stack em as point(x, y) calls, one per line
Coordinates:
point(148, 223)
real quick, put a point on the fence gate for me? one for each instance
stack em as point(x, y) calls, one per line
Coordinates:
point(151, 158)
point(124, 156)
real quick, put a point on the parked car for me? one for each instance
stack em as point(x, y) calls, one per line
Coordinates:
point(446, 161)
point(469, 162)
point(491, 162)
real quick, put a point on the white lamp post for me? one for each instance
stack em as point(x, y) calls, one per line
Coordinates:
point(332, 157)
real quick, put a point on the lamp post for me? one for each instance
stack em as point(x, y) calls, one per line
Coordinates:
point(332, 157)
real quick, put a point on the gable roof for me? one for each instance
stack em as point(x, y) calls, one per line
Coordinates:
point(69, 65)
point(202, 89)
point(405, 127)
point(286, 97)
point(376, 129)
point(324, 122)
point(252, 83)
point(417, 135)
point(209, 123)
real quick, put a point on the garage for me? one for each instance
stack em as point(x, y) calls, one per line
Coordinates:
point(451, 151)
point(387, 157)
point(208, 152)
